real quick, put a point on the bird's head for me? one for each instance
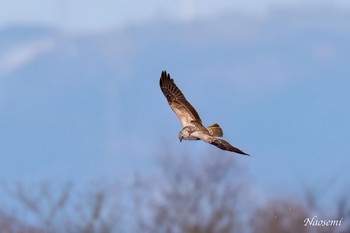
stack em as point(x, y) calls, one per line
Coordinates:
point(184, 133)
point(181, 136)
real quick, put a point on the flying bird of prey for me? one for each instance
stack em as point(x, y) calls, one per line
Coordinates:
point(193, 128)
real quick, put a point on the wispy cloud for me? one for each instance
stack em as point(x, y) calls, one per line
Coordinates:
point(20, 55)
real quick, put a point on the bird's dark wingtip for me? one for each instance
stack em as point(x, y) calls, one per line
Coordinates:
point(165, 76)
point(238, 151)
point(246, 154)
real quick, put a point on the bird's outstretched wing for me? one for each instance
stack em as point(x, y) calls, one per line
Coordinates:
point(222, 144)
point(177, 101)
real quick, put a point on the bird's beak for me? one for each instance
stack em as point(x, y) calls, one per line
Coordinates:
point(180, 139)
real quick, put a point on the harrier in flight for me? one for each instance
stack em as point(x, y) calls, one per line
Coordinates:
point(193, 128)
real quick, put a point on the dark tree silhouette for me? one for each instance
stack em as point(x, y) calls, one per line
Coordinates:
point(49, 209)
point(280, 216)
point(210, 193)
point(194, 195)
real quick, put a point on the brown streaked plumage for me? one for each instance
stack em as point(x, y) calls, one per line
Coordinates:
point(193, 128)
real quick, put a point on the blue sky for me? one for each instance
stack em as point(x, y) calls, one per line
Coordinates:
point(80, 100)
point(87, 16)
